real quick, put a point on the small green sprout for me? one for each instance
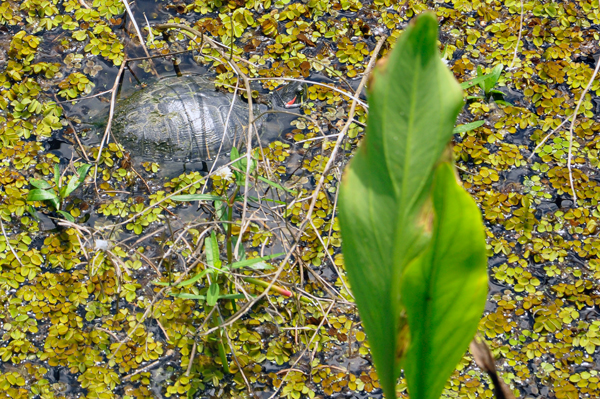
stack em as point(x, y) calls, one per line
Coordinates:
point(44, 191)
point(487, 82)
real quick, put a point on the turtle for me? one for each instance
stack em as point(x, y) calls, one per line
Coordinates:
point(183, 119)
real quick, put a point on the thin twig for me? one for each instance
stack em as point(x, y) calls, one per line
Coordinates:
point(83, 98)
point(189, 368)
point(345, 93)
point(139, 33)
point(519, 38)
point(111, 112)
point(214, 44)
point(547, 137)
point(10, 246)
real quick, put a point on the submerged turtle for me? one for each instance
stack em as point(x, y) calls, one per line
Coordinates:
point(183, 119)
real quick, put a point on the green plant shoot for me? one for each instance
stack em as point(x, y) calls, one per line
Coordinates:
point(44, 191)
point(413, 239)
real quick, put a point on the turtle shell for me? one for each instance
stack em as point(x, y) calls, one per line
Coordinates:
point(180, 119)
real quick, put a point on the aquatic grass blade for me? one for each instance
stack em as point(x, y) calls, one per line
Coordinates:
point(250, 262)
point(67, 216)
point(273, 184)
point(185, 282)
point(197, 197)
point(468, 127)
point(444, 289)
point(212, 296)
point(212, 250)
point(57, 175)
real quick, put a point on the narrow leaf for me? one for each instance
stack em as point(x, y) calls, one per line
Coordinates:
point(212, 295)
point(188, 296)
point(185, 282)
point(197, 197)
point(273, 184)
point(67, 216)
point(212, 250)
point(57, 175)
point(468, 127)
point(495, 75)
point(249, 262)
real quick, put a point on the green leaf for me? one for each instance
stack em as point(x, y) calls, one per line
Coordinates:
point(257, 200)
point(185, 282)
point(43, 195)
point(212, 250)
point(490, 79)
point(213, 294)
point(233, 155)
point(234, 296)
point(240, 165)
point(473, 82)
point(76, 180)
point(67, 216)
point(57, 175)
point(222, 210)
point(197, 197)
point(493, 77)
point(468, 127)
point(188, 296)
point(273, 184)
point(413, 106)
point(444, 289)
point(250, 262)
point(39, 183)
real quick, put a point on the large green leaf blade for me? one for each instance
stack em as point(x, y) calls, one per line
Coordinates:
point(413, 107)
point(444, 290)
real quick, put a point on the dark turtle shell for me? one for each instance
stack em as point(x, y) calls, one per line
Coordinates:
point(181, 119)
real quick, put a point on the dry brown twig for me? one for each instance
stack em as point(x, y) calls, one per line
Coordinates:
point(485, 360)
point(138, 32)
point(111, 112)
point(10, 246)
point(519, 38)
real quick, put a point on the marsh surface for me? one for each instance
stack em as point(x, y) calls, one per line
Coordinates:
point(80, 315)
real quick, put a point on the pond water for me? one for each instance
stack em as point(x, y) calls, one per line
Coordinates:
point(86, 309)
